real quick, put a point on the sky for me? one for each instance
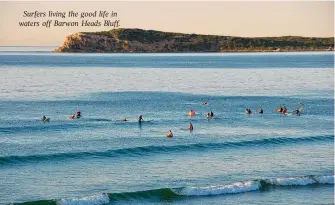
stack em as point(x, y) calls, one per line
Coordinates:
point(228, 18)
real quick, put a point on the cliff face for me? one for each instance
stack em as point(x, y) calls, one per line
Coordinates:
point(144, 41)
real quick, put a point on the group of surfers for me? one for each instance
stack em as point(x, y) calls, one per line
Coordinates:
point(140, 119)
point(77, 115)
point(282, 109)
point(191, 113)
point(170, 134)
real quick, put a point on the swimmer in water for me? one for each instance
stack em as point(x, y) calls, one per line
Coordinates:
point(169, 134)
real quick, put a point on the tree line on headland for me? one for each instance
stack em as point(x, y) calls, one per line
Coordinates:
point(149, 41)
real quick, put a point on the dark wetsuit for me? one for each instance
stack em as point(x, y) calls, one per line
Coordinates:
point(140, 119)
point(297, 112)
point(191, 127)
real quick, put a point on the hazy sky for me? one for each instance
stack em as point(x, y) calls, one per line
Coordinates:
point(248, 18)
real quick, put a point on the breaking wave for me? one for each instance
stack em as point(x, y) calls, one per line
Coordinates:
point(170, 193)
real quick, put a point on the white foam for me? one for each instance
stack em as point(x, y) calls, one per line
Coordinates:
point(325, 179)
point(237, 187)
point(91, 200)
point(292, 181)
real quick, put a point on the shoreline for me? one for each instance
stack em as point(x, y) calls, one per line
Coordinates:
point(239, 51)
point(21, 49)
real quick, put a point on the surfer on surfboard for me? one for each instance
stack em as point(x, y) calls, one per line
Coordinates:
point(45, 119)
point(78, 114)
point(140, 119)
point(248, 111)
point(297, 112)
point(190, 127)
point(260, 110)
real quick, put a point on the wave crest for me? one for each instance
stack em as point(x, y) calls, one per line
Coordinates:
point(148, 150)
point(91, 200)
point(168, 193)
point(236, 187)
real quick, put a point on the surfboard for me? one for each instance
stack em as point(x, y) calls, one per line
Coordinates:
point(145, 121)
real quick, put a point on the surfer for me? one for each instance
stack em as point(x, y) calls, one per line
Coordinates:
point(191, 113)
point(248, 111)
point(208, 116)
point(140, 119)
point(279, 109)
point(78, 115)
point(212, 114)
point(297, 112)
point(45, 119)
point(190, 127)
point(124, 120)
point(204, 103)
point(260, 110)
point(284, 110)
point(169, 134)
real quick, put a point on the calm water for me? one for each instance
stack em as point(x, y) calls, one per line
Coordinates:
point(231, 159)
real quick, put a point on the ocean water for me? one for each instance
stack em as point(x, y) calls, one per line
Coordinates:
point(232, 158)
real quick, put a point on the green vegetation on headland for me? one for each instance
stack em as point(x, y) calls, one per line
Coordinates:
point(150, 41)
